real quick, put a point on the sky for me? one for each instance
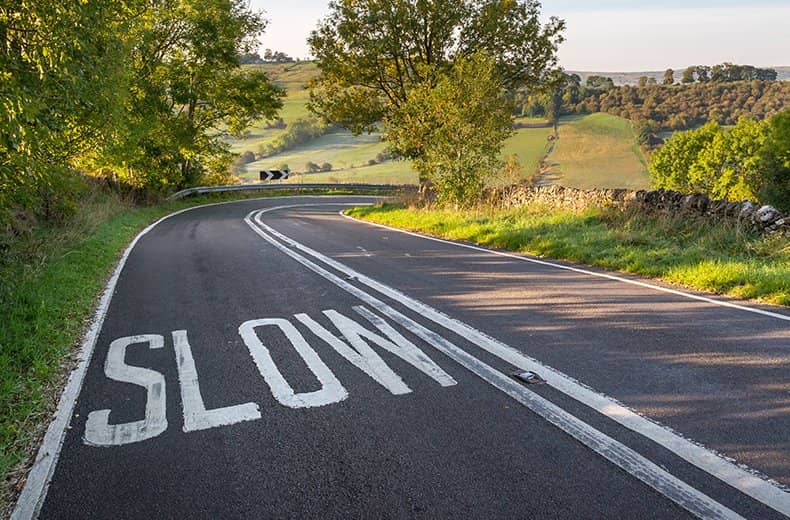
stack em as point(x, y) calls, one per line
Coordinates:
point(612, 35)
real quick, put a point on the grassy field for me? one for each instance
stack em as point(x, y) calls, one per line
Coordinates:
point(341, 149)
point(293, 77)
point(710, 257)
point(390, 172)
point(597, 151)
point(529, 145)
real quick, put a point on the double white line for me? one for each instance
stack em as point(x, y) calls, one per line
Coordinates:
point(622, 456)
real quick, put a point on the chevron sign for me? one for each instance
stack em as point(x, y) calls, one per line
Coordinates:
point(273, 175)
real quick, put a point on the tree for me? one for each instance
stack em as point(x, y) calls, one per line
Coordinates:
point(455, 130)
point(375, 55)
point(185, 81)
point(61, 81)
point(688, 75)
point(728, 167)
point(670, 165)
point(596, 82)
point(642, 81)
point(775, 185)
point(703, 73)
point(669, 77)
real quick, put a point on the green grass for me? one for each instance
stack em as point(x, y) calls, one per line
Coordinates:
point(50, 281)
point(529, 145)
point(390, 172)
point(342, 149)
point(597, 151)
point(705, 256)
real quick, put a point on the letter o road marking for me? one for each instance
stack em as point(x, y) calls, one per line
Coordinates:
point(331, 390)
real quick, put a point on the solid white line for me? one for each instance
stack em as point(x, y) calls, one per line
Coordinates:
point(32, 496)
point(577, 270)
point(612, 450)
point(35, 491)
point(734, 475)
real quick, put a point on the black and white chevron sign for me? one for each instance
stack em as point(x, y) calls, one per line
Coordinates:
point(273, 175)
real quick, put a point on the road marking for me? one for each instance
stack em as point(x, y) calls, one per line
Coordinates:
point(331, 390)
point(196, 417)
point(742, 479)
point(362, 356)
point(40, 475)
point(625, 458)
point(365, 358)
point(98, 430)
point(576, 270)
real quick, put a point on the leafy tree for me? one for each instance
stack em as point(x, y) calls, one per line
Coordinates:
point(669, 77)
point(375, 56)
point(454, 131)
point(326, 167)
point(703, 73)
point(688, 75)
point(670, 165)
point(728, 167)
point(642, 81)
point(749, 161)
point(646, 130)
point(775, 187)
point(185, 81)
point(61, 81)
point(599, 82)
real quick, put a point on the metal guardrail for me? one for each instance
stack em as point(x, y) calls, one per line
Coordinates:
point(199, 190)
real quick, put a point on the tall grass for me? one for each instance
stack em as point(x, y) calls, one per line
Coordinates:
point(702, 255)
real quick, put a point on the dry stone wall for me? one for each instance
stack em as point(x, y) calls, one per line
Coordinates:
point(764, 219)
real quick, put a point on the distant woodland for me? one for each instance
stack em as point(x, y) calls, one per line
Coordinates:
point(722, 93)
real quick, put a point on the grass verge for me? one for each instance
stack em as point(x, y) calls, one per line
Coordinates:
point(700, 255)
point(50, 281)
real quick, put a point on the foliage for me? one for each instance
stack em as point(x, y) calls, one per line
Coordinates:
point(374, 55)
point(672, 107)
point(776, 162)
point(746, 162)
point(454, 131)
point(185, 81)
point(298, 133)
point(133, 91)
point(726, 72)
point(60, 84)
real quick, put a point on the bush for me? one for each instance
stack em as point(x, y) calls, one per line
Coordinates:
point(311, 167)
point(749, 161)
point(326, 167)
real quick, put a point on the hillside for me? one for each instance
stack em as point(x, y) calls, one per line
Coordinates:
point(594, 151)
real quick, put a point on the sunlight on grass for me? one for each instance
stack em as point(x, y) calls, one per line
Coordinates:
point(708, 257)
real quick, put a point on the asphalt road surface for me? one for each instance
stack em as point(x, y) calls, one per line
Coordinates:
point(274, 359)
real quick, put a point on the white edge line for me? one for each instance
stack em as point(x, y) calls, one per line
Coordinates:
point(615, 452)
point(748, 482)
point(37, 483)
point(575, 269)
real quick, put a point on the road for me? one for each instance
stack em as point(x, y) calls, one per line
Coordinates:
point(274, 359)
